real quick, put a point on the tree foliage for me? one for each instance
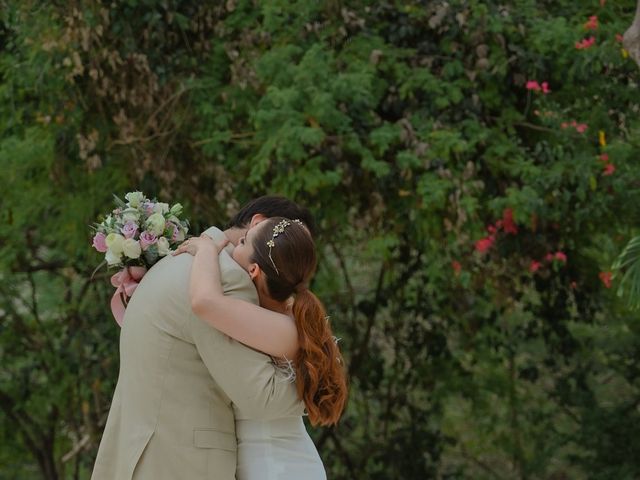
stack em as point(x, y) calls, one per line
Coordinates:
point(473, 169)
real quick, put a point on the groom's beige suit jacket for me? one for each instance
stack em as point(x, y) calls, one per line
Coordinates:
point(171, 416)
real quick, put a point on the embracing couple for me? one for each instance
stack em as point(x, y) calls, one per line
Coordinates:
point(223, 349)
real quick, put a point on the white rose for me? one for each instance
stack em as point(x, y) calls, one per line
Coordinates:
point(134, 198)
point(112, 258)
point(161, 207)
point(163, 247)
point(131, 215)
point(114, 242)
point(131, 248)
point(180, 235)
point(156, 223)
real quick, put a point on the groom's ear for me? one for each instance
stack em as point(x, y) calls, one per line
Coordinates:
point(256, 219)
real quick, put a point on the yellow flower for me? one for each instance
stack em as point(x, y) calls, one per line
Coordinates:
point(602, 138)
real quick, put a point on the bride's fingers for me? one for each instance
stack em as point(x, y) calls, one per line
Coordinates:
point(221, 244)
point(182, 248)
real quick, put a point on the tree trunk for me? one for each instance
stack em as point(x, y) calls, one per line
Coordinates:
point(47, 464)
point(631, 38)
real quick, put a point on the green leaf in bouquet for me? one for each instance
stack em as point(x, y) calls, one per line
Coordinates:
point(119, 202)
point(151, 255)
point(176, 210)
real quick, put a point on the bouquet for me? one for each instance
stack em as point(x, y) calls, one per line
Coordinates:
point(133, 237)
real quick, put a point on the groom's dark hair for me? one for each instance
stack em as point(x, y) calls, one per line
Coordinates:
point(273, 206)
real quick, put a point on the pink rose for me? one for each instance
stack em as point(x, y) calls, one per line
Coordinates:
point(99, 242)
point(129, 229)
point(147, 239)
point(148, 207)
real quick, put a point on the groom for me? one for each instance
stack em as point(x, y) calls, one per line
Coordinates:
point(171, 416)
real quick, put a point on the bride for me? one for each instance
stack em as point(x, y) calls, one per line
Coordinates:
point(290, 325)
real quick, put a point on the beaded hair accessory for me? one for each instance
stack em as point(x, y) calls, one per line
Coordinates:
point(277, 230)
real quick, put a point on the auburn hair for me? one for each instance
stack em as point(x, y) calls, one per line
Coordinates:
point(288, 267)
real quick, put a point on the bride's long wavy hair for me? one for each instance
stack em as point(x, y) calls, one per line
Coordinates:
point(288, 267)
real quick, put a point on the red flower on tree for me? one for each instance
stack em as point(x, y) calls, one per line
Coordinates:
point(484, 244)
point(609, 168)
point(605, 277)
point(456, 267)
point(592, 23)
point(508, 223)
point(585, 43)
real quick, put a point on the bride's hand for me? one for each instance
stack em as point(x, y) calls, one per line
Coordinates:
point(192, 245)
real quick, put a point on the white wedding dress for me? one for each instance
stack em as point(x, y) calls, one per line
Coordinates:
point(279, 449)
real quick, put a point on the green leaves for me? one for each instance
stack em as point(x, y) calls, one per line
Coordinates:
point(627, 269)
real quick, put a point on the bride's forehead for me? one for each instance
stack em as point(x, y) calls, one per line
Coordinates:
point(252, 232)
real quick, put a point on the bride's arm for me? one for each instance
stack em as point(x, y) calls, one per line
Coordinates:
point(270, 332)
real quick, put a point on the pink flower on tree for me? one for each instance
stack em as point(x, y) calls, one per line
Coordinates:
point(535, 266)
point(609, 168)
point(99, 242)
point(586, 43)
point(592, 23)
point(560, 256)
point(581, 127)
point(538, 87)
point(533, 85)
point(604, 157)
